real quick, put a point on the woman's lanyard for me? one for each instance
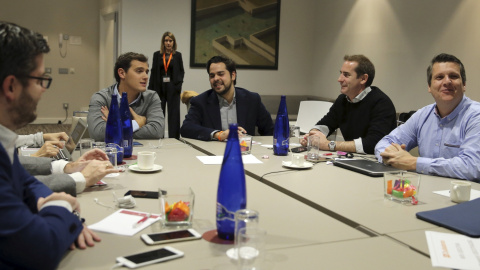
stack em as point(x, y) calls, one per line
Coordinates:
point(165, 65)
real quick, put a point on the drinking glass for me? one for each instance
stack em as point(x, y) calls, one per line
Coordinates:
point(86, 145)
point(244, 218)
point(112, 155)
point(120, 152)
point(100, 145)
point(251, 248)
point(313, 143)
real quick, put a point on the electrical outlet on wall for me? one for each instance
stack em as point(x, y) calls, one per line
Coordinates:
point(65, 106)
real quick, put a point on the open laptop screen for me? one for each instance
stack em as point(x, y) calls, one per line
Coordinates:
point(73, 139)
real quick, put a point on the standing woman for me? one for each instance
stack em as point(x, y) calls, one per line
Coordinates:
point(166, 79)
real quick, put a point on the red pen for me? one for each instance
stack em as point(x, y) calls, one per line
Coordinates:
point(327, 154)
point(147, 216)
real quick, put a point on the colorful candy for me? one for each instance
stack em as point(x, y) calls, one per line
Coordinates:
point(401, 188)
point(178, 211)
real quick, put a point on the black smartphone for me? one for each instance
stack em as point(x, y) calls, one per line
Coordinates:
point(143, 194)
point(172, 236)
point(150, 257)
point(137, 144)
point(299, 149)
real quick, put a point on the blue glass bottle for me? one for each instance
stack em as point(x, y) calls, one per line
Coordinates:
point(126, 126)
point(281, 134)
point(113, 130)
point(231, 194)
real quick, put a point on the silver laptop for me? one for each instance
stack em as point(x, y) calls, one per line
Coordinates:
point(364, 166)
point(76, 133)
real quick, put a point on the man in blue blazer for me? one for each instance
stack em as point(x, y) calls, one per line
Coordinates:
point(211, 112)
point(36, 225)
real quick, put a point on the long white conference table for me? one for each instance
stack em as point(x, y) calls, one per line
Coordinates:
point(324, 217)
point(352, 198)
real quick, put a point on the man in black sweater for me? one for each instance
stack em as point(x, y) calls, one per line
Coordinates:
point(363, 112)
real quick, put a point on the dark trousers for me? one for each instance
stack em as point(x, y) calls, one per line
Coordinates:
point(172, 97)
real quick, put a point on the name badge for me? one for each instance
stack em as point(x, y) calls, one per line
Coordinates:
point(166, 79)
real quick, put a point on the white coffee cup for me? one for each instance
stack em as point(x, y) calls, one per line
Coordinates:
point(460, 191)
point(298, 160)
point(145, 160)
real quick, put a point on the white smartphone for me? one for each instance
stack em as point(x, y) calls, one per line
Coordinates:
point(173, 236)
point(150, 257)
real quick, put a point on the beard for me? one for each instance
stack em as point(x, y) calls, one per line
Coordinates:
point(227, 88)
point(25, 109)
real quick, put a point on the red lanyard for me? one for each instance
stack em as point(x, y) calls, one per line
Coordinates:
point(165, 65)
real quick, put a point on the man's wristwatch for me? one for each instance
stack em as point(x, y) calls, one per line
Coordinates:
point(332, 145)
point(77, 214)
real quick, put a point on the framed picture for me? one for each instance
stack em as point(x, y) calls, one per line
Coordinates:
point(246, 31)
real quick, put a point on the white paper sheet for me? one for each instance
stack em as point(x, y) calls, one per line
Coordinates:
point(123, 222)
point(474, 194)
point(215, 160)
point(453, 250)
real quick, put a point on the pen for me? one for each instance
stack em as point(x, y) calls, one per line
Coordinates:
point(327, 154)
point(147, 216)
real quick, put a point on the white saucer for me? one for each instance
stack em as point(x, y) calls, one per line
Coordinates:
point(306, 165)
point(155, 168)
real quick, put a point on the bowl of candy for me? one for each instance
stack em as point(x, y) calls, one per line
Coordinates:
point(176, 206)
point(402, 187)
point(245, 141)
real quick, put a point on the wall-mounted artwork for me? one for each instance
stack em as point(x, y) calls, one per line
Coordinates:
point(246, 31)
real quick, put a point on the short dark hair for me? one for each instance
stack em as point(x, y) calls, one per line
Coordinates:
point(365, 66)
point(229, 64)
point(124, 62)
point(442, 58)
point(19, 48)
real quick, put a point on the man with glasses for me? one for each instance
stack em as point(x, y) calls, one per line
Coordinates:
point(44, 81)
point(36, 225)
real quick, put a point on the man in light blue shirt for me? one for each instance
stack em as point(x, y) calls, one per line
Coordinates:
point(447, 132)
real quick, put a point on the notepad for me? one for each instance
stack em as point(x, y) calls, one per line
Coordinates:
point(216, 160)
point(462, 218)
point(122, 222)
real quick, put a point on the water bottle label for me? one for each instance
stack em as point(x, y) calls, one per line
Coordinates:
point(125, 143)
point(224, 214)
point(285, 142)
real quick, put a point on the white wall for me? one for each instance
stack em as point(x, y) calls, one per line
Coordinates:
point(400, 37)
point(144, 22)
point(51, 17)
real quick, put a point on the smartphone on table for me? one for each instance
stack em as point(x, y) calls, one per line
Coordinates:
point(150, 257)
point(143, 194)
point(299, 149)
point(137, 144)
point(172, 236)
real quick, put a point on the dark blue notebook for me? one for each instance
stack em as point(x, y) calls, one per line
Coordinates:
point(463, 218)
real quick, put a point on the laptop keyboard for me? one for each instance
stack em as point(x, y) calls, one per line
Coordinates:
point(61, 155)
